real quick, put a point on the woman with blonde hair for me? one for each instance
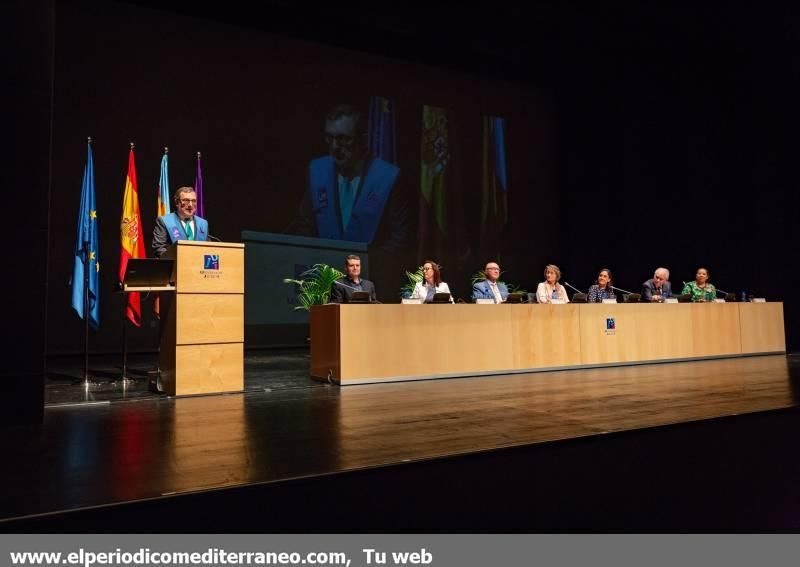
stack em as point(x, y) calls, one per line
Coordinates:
point(550, 289)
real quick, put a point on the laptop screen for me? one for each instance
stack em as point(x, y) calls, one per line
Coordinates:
point(148, 272)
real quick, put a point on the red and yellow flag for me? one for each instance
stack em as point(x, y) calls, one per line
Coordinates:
point(131, 237)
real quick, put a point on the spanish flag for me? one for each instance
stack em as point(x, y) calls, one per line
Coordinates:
point(131, 237)
point(433, 183)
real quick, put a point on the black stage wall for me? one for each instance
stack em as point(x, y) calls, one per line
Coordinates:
point(28, 53)
point(667, 137)
point(676, 149)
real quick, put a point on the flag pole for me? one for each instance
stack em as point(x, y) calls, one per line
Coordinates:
point(198, 182)
point(87, 382)
point(124, 378)
point(86, 316)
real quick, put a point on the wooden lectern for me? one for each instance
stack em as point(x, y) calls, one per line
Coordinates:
point(202, 336)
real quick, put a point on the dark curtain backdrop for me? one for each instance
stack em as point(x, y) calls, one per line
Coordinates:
point(677, 145)
point(27, 54)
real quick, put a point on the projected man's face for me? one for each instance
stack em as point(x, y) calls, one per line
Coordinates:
point(343, 144)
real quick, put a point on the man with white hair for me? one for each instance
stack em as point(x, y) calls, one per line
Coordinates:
point(490, 288)
point(658, 288)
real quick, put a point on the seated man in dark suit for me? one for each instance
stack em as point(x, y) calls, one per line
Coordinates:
point(490, 288)
point(658, 288)
point(343, 289)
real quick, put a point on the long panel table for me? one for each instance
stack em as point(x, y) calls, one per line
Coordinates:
point(357, 344)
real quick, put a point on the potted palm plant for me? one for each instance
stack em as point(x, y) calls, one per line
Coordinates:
point(314, 285)
point(413, 279)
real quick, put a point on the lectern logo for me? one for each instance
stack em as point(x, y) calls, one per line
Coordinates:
point(211, 266)
point(611, 326)
point(211, 262)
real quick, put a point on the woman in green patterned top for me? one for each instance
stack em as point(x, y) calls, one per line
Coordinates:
point(700, 289)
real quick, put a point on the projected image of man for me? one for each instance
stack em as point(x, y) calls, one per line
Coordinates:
point(350, 192)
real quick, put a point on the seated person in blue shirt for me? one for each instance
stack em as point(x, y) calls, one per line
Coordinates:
point(490, 288)
point(602, 288)
point(342, 289)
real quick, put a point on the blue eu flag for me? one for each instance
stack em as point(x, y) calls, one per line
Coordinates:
point(87, 253)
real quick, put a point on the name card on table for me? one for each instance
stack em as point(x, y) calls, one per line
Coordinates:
point(411, 301)
point(610, 300)
point(758, 300)
point(718, 300)
point(484, 301)
point(671, 300)
point(557, 301)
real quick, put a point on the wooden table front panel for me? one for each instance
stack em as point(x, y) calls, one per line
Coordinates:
point(423, 340)
point(762, 327)
point(377, 342)
point(716, 329)
point(544, 336)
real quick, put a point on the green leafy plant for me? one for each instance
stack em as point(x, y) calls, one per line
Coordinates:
point(512, 288)
point(413, 279)
point(314, 285)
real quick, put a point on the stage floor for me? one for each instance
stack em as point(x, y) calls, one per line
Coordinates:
point(264, 371)
point(109, 452)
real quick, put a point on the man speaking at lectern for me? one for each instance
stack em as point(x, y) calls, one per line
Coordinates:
point(183, 224)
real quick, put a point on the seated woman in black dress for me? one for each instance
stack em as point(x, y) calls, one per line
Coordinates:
point(602, 288)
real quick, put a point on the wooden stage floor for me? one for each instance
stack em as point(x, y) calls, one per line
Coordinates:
point(94, 455)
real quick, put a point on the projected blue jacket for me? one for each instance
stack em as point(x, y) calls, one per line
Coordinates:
point(370, 199)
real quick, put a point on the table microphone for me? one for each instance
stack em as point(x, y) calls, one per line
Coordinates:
point(621, 290)
point(354, 289)
point(345, 285)
point(572, 287)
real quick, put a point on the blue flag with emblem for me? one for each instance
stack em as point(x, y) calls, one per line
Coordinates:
point(86, 270)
